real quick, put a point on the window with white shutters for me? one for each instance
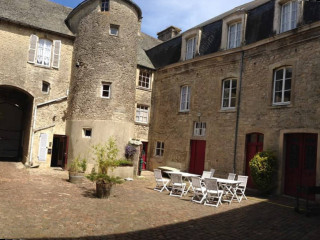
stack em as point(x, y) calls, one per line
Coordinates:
point(44, 52)
point(56, 53)
point(33, 49)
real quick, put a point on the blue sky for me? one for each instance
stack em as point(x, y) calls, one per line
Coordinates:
point(185, 14)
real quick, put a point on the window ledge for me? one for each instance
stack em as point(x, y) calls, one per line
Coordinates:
point(142, 124)
point(279, 106)
point(228, 110)
point(45, 67)
point(183, 112)
point(144, 89)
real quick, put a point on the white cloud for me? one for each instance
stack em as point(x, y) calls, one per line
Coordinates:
point(185, 14)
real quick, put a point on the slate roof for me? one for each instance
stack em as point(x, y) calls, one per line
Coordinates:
point(146, 42)
point(41, 14)
point(245, 7)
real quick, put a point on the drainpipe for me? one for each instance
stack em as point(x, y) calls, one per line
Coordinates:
point(238, 114)
point(34, 122)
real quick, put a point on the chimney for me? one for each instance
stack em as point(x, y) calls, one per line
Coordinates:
point(168, 33)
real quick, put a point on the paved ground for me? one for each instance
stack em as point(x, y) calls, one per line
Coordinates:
point(42, 204)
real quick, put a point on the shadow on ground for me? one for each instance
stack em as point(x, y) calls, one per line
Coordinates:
point(261, 221)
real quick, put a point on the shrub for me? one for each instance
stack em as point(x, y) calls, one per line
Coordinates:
point(123, 163)
point(106, 158)
point(78, 165)
point(263, 168)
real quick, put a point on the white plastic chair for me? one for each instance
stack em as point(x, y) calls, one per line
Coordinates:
point(199, 191)
point(214, 194)
point(178, 186)
point(242, 187)
point(206, 174)
point(231, 176)
point(213, 171)
point(160, 181)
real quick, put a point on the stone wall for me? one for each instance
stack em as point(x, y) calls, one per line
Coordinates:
point(16, 72)
point(103, 58)
point(299, 49)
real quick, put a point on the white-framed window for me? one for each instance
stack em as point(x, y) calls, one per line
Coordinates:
point(229, 94)
point(45, 87)
point(159, 149)
point(144, 79)
point(142, 114)
point(114, 30)
point(234, 35)
point(289, 16)
point(190, 48)
point(185, 98)
point(282, 86)
point(199, 129)
point(44, 52)
point(104, 5)
point(87, 132)
point(106, 90)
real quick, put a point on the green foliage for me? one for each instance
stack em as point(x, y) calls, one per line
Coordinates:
point(78, 165)
point(103, 178)
point(123, 163)
point(263, 168)
point(106, 158)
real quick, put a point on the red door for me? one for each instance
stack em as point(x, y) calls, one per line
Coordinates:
point(197, 156)
point(301, 161)
point(254, 145)
point(144, 155)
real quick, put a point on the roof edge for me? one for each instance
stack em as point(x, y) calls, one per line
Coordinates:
point(86, 2)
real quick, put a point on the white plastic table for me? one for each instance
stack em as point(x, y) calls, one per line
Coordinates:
point(186, 176)
point(229, 187)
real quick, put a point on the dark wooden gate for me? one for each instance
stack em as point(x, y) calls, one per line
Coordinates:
point(254, 144)
point(301, 161)
point(197, 156)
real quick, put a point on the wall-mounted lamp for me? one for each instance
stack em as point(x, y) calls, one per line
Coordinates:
point(199, 116)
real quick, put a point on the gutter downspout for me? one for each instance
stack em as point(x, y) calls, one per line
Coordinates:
point(34, 122)
point(238, 115)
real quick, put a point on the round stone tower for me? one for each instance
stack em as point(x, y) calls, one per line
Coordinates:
point(102, 90)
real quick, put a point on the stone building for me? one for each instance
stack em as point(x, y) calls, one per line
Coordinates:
point(209, 97)
point(245, 81)
point(71, 79)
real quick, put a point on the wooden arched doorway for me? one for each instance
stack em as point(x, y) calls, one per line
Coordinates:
point(254, 144)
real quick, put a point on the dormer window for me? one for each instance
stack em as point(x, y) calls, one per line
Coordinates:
point(234, 35)
point(233, 30)
point(191, 48)
point(104, 5)
point(190, 44)
point(289, 16)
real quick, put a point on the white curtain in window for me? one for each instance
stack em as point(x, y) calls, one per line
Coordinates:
point(289, 14)
point(191, 47)
point(185, 98)
point(44, 52)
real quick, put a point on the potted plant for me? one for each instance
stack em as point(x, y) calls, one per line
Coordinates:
point(77, 170)
point(106, 159)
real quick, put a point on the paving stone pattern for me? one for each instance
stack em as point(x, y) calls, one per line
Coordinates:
point(42, 204)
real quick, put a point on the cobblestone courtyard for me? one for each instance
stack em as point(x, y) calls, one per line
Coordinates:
point(42, 204)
